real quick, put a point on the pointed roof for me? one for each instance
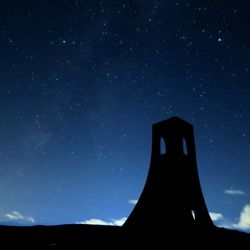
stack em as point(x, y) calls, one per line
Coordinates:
point(172, 121)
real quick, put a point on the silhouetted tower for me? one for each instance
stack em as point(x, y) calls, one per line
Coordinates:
point(172, 194)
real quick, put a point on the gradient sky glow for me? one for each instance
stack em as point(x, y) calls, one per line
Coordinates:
point(81, 83)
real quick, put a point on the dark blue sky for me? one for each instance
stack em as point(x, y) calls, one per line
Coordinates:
point(81, 83)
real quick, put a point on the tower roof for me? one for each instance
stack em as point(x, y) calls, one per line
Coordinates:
point(172, 120)
point(172, 124)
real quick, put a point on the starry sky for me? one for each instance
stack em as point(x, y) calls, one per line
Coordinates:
point(82, 82)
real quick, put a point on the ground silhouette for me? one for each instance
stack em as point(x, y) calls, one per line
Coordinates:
point(171, 211)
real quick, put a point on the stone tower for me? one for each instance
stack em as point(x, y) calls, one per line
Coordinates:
point(172, 194)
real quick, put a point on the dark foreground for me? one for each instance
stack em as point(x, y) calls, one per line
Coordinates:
point(113, 237)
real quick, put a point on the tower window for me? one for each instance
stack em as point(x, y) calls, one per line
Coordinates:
point(163, 146)
point(193, 214)
point(185, 149)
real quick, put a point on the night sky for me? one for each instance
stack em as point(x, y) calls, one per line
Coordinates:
point(82, 82)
